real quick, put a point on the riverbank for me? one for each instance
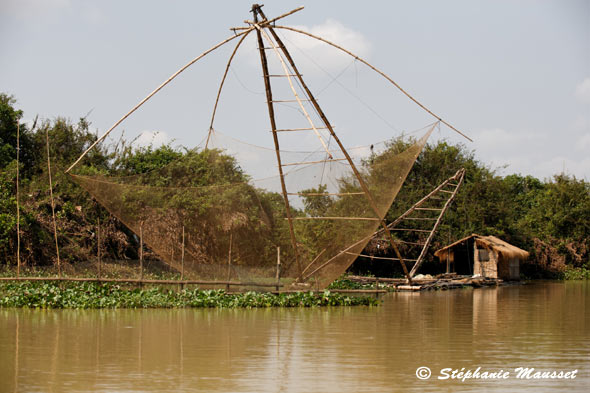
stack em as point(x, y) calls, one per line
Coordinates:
point(39, 294)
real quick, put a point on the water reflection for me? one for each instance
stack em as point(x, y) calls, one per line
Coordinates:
point(544, 325)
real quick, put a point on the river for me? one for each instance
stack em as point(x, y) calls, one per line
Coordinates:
point(541, 325)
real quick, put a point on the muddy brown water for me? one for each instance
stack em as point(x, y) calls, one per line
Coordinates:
point(542, 325)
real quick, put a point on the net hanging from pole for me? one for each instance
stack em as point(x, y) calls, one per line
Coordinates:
point(213, 198)
point(221, 212)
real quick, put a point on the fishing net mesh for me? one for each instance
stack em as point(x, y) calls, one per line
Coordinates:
point(225, 213)
point(205, 214)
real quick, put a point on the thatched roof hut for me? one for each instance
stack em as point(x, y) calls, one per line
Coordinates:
point(487, 256)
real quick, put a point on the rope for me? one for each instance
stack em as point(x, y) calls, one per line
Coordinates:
point(335, 79)
point(155, 91)
point(379, 72)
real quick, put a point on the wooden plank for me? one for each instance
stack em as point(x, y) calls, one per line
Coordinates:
point(352, 291)
point(409, 287)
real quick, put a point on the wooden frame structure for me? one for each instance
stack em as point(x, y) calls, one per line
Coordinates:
point(453, 182)
point(268, 39)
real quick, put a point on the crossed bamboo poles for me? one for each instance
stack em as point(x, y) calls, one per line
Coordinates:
point(261, 25)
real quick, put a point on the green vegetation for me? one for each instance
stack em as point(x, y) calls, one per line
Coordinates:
point(103, 295)
point(550, 218)
point(345, 283)
point(576, 273)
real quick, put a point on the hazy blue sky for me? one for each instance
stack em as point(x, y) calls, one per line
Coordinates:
point(514, 75)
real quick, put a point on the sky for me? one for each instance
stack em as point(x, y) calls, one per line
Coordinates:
point(513, 75)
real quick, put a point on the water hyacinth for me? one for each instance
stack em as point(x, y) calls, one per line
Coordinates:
point(108, 295)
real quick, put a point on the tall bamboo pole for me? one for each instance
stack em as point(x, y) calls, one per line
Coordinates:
point(229, 261)
point(52, 202)
point(227, 67)
point(98, 247)
point(155, 91)
point(17, 200)
point(256, 9)
point(271, 115)
point(141, 252)
point(377, 71)
point(278, 275)
point(182, 257)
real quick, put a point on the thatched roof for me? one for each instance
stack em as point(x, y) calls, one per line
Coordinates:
point(506, 250)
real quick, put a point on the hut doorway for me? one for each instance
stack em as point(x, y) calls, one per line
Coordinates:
point(463, 258)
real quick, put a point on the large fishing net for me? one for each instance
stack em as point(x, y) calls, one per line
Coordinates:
point(296, 213)
point(202, 213)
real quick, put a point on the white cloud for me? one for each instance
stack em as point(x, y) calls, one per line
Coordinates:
point(323, 54)
point(307, 50)
point(151, 138)
point(498, 141)
point(583, 91)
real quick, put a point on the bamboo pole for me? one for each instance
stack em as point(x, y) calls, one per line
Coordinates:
point(52, 202)
point(325, 193)
point(182, 257)
point(271, 115)
point(17, 199)
point(314, 260)
point(138, 281)
point(229, 261)
point(273, 20)
point(98, 247)
point(231, 58)
point(448, 256)
point(377, 71)
point(381, 230)
point(278, 275)
point(459, 177)
point(315, 162)
point(141, 252)
point(155, 91)
point(321, 114)
point(293, 90)
point(378, 258)
point(338, 218)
